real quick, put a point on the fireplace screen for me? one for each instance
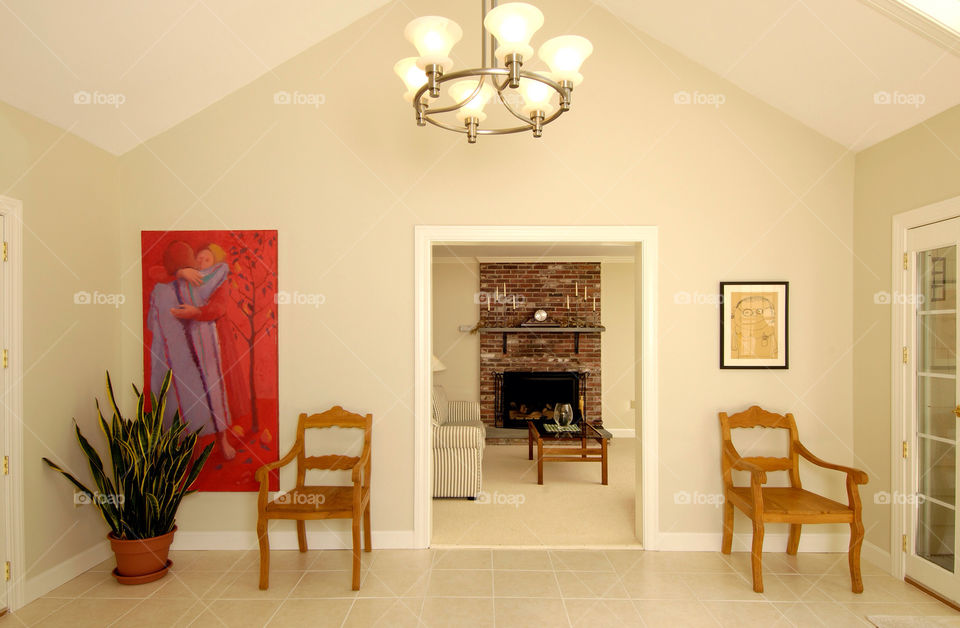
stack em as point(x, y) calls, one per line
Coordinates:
point(534, 395)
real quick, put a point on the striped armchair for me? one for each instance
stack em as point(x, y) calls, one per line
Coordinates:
point(458, 440)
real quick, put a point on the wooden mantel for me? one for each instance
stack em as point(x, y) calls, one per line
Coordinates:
point(534, 329)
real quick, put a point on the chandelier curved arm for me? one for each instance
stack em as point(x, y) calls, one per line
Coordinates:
point(454, 107)
point(516, 115)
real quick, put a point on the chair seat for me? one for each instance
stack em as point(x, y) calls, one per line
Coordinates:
point(787, 504)
point(325, 501)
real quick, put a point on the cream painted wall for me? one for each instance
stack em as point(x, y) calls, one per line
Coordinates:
point(455, 280)
point(915, 168)
point(617, 346)
point(70, 244)
point(346, 182)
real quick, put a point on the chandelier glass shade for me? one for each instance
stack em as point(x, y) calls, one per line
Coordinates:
point(535, 99)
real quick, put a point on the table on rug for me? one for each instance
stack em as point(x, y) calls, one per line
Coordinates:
point(537, 433)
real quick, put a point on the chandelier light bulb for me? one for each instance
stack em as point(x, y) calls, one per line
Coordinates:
point(413, 77)
point(536, 97)
point(564, 55)
point(513, 24)
point(461, 90)
point(434, 37)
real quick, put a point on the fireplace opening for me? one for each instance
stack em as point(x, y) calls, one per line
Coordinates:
point(522, 395)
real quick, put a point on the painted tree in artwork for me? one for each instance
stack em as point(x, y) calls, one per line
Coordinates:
point(253, 288)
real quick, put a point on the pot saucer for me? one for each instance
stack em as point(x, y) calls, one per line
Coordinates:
point(145, 578)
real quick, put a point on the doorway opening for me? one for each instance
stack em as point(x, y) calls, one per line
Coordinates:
point(556, 243)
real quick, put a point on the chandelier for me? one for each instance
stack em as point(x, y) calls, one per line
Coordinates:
point(528, 96)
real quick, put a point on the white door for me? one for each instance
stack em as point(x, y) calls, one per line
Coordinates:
point(932, 396)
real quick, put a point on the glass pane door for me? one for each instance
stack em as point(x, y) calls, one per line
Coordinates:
point(936, 398)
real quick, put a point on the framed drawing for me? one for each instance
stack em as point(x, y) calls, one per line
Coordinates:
point(209, 315)
point(754, 324)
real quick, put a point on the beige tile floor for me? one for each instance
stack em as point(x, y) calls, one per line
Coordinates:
point(466, 587)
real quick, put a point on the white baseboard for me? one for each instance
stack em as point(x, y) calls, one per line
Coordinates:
point(287, 540)
point(42, 583)
point(622, 432)
point(877, 556)
point(710, 542)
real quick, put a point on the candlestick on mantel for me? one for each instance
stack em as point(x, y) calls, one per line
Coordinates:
point(594, 304)
point(504, 289)
point(496, 292)
point(514, 301)
point(488, 302)
point(568, 301)
point(576, 289)
point(584, 293)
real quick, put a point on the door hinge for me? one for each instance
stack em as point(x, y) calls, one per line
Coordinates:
point(906, 259)
point(906, 449)
point(6, 465)
point(906, 355)
point(903, 541)
point(6, 358)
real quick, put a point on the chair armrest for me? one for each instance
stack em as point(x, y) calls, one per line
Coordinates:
point(459, 436)
point(858, 476)
point(463, 412)
point(262, 472)
point(359, 466)
point(737, 462)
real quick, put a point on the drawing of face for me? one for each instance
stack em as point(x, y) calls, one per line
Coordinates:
point(754, 313)
point(204, 259)
point(754, 332)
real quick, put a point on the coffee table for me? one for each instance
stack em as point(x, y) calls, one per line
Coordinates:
point(575, 449)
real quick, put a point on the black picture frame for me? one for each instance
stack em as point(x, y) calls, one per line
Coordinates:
point(728, 327)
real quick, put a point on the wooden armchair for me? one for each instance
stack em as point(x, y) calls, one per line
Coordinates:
point(319, 502)
point(792, 504)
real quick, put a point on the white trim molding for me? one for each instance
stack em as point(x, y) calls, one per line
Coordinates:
point(12, 377)
point(61, 573)
point(918, 21)
point(874, 555)
point(425, 237)
point(622, 432)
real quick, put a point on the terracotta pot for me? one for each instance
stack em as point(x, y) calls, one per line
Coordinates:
point(141, 560)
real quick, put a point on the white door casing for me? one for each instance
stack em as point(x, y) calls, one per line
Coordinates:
point(425, 236)
point(11, 408)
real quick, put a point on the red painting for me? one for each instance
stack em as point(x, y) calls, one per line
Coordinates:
point(210, 317)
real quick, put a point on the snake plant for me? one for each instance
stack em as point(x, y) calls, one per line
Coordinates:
point(152, 466)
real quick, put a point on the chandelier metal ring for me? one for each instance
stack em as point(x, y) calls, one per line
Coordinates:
point(424, 112)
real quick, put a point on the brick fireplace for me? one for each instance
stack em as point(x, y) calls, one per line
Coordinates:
point(510, 294)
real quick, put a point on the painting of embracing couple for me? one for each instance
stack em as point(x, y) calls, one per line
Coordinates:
point(210, 317)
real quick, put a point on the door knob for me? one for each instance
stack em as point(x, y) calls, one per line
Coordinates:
point(956, 412)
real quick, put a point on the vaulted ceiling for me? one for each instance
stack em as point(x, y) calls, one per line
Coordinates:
point(828, 63)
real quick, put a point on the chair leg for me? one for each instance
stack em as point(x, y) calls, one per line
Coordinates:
point(356, 551)
point(793, 541)
point(368, 546)
point(264, 553)
point(856, 540)
point(727, 527)
point(302, 535)
point(756, 556)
